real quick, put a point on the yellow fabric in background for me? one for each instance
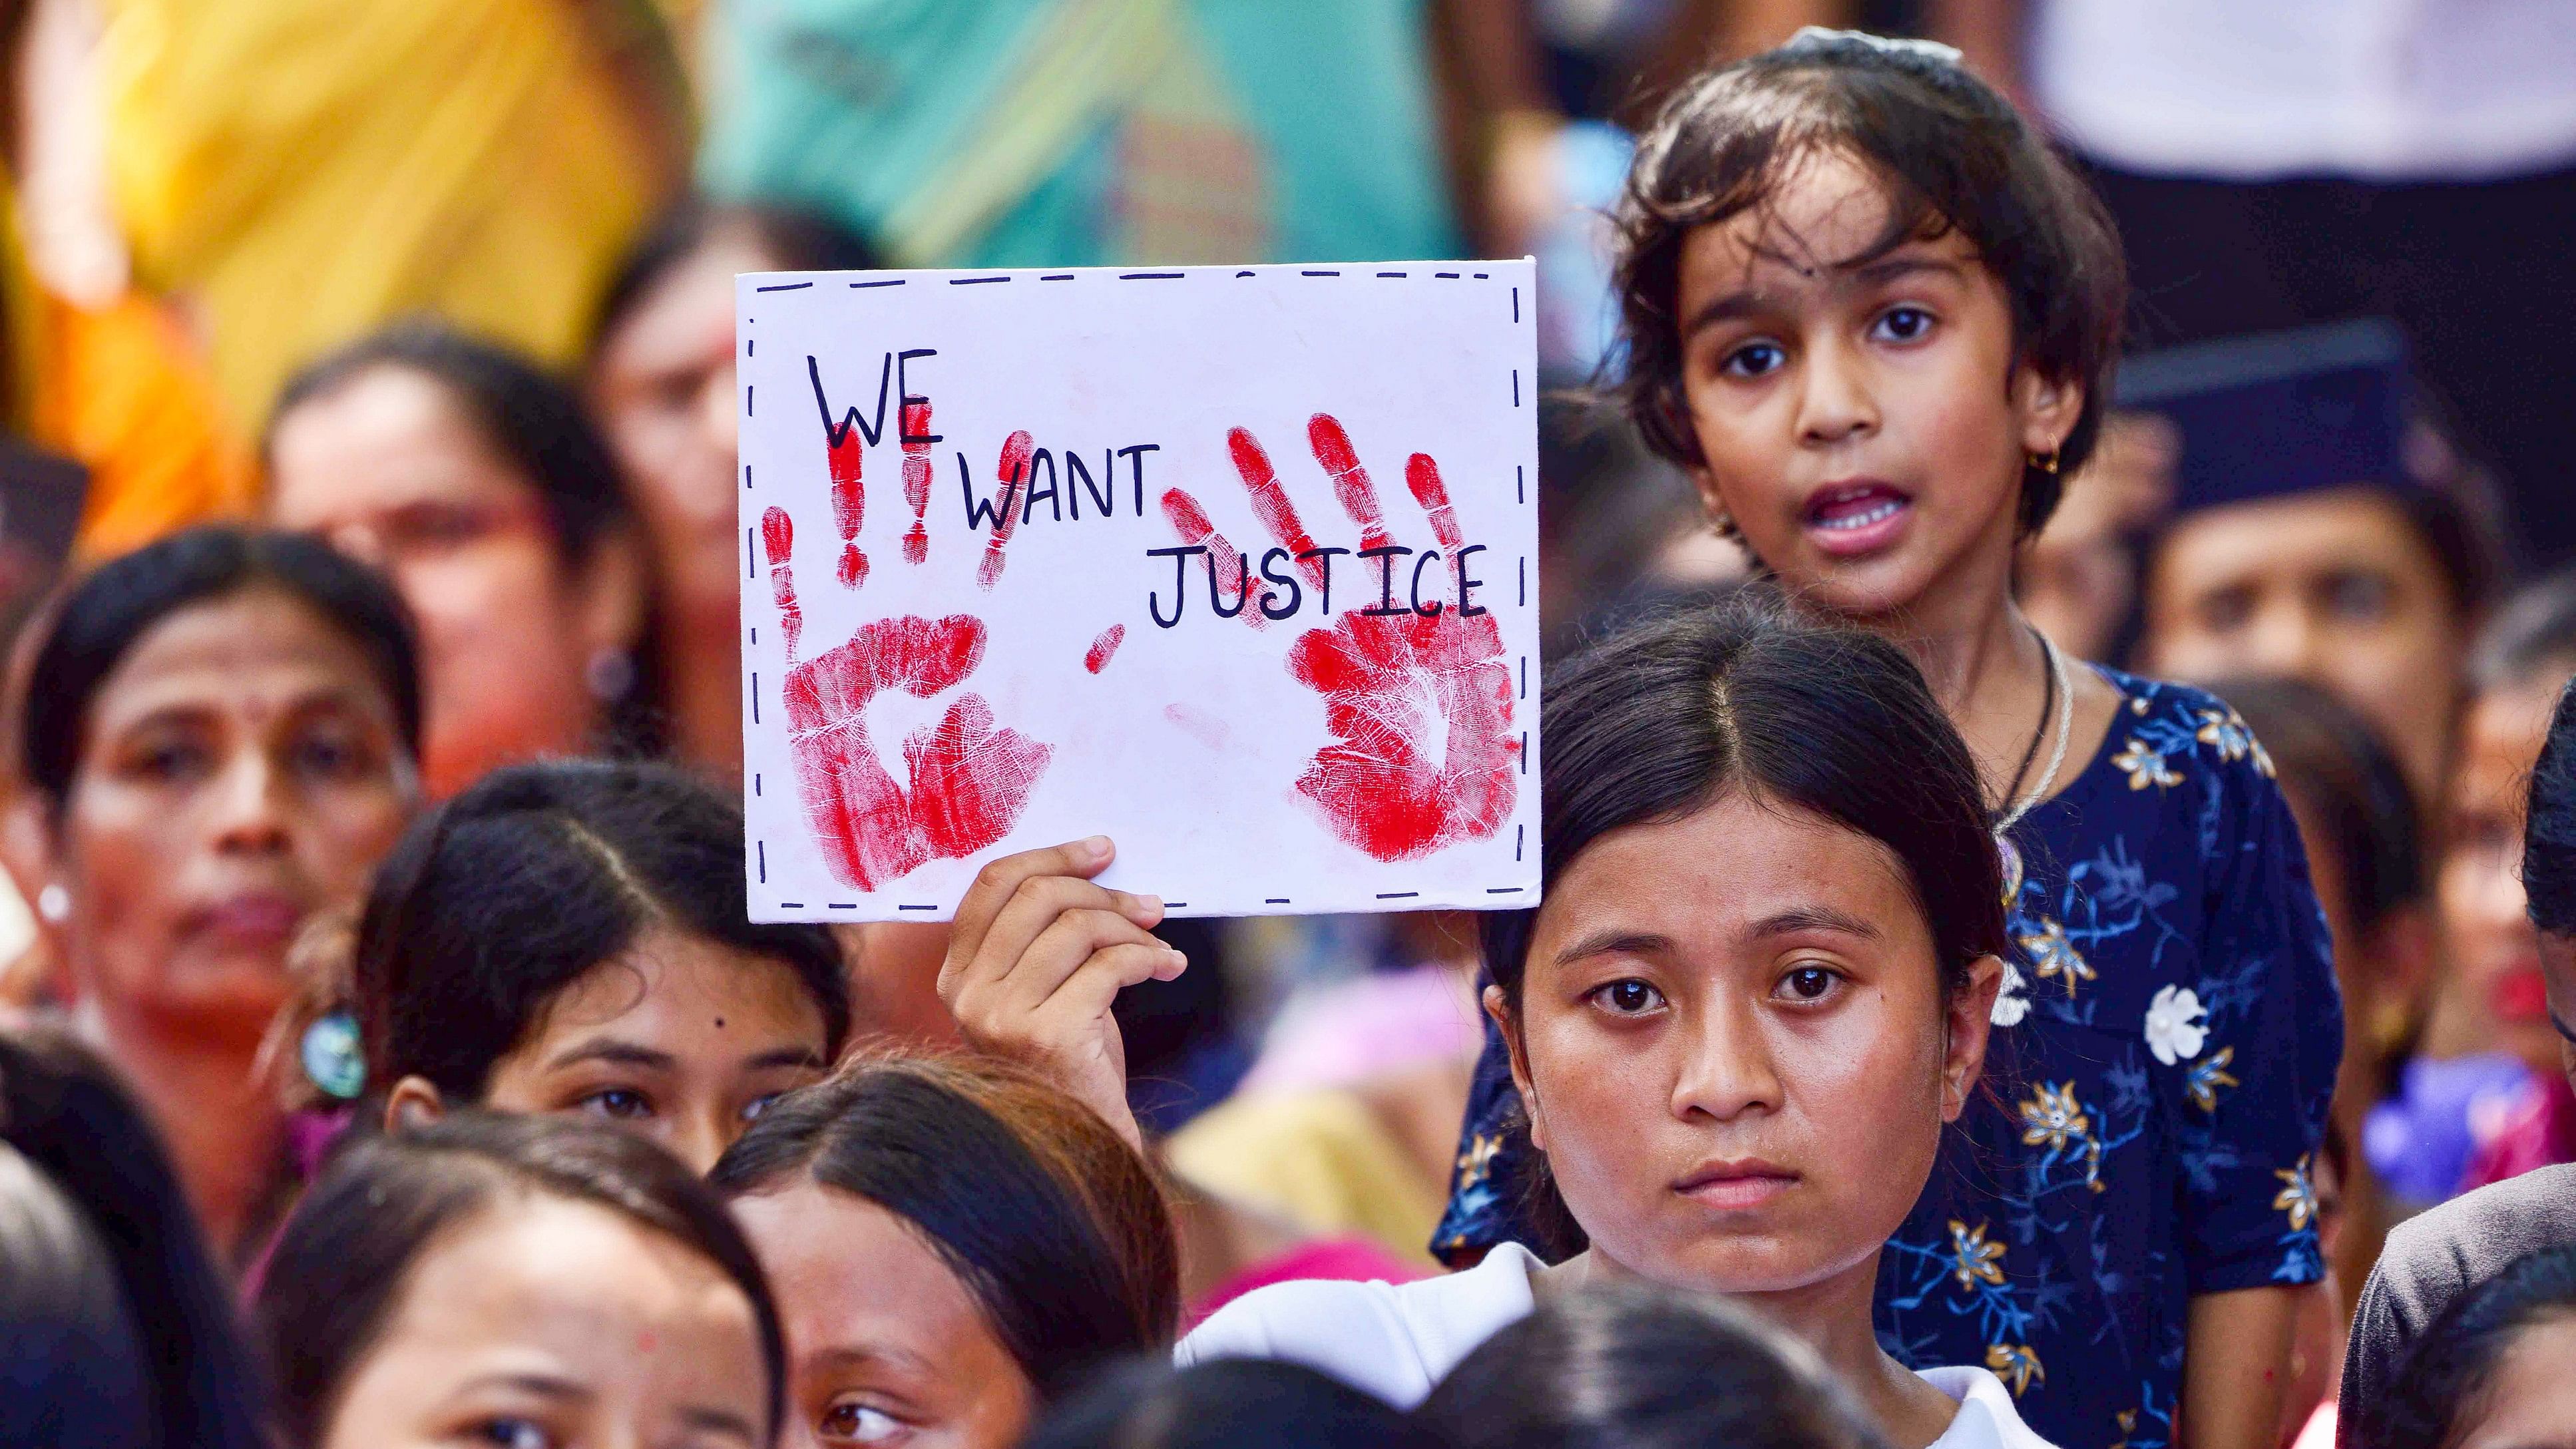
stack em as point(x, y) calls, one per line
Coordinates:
point(1319, 1158)
point(302, 171)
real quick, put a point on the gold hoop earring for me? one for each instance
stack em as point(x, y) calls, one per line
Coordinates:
point(2045, 462)
point(1724, 523)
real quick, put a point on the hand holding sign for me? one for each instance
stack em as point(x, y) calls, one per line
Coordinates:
point(1067, 643)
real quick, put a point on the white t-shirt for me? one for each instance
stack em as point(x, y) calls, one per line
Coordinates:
point(2384, 90)
point(1397, 1340)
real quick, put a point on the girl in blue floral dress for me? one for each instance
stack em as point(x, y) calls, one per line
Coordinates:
point(1874, 317)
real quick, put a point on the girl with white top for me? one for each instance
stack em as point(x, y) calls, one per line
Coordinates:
point(1758, 987)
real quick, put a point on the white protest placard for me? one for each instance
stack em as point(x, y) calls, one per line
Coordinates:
point(1237, 566)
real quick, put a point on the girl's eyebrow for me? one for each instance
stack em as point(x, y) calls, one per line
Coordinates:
point(1888, 269)
point(1814, 918)
point(1614, 941)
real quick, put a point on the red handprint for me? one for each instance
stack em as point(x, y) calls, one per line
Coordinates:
point(968, 781)
point(1419, 702)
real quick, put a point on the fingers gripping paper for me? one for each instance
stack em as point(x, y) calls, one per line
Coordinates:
point(1236, 566)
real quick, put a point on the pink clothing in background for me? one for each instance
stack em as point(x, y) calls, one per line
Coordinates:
point(1377, 1023)
point(2539, 1131)
point(1351, 1260)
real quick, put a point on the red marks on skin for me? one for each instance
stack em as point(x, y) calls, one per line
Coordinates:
point(914, 420)
point(1096, 658)
point(1420, 707)
point(967, 781)
point(1191, 522)
point(1010, 471)
point(777, 541)
point(849, 503)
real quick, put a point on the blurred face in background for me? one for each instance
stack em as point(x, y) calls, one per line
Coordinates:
point(2493, 950)
point(549, 1324)
point(391, 469)
point(241, 768)
point(2337, 588)
point(662, 387)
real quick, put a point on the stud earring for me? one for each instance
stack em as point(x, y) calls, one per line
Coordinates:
point(54, 904)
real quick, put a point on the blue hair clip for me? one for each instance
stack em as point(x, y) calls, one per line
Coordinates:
point(1925, 49)
point(332, 1058)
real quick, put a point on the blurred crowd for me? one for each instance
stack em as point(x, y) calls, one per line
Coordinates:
point(366, 515)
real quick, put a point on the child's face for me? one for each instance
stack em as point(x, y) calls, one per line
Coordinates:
point(2333, 587)
point(1864, 424)
point(2492, 951)
point(681, 1039)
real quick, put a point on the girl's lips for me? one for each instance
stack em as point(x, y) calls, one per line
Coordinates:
point(1848, 520)
point(1735, 1187)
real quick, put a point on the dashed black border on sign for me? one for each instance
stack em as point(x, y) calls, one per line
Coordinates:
point(1520, 495)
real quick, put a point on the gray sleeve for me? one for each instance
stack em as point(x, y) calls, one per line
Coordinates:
point(2375, 1339)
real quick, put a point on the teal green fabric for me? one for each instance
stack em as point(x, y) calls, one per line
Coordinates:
point(853, 107)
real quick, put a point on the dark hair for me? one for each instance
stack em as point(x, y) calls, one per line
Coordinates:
point(530, 417)
point(1655, 723)
point(343, 1258)
point(2534, 633)
point(2452, 1366)
point(1637, 1369)
point(1954, 156)
point(192, 1380)
point(71, 1355)
point(1047, 1216)
point(88, 632)
point(798, 241)
point(2327, 755)
point(1227, 1403)
point(529, 879)
point(2549, 826)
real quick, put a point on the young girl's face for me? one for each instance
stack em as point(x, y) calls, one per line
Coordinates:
point(682, 1038)
point(1863, 422)
point(2530, 1398)
point(548, 1324)
point(1734, 1046)
point(2491, 949)
point(884, 1345)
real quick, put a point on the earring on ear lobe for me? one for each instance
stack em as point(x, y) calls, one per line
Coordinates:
point(2045, 462)
point(54, 904)
point(1724, 523)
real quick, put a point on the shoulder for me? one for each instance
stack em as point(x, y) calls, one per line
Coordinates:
point(2432, 1257)
point(1987, 1418)
point(2183, 728)
point(1394, 1340)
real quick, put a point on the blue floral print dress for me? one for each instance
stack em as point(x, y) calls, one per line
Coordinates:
point(2152, 1103)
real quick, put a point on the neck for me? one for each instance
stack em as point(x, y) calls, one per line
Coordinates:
point(222, 1127)
point(701, 671)
point(1834, 1317)
point(1980, 658)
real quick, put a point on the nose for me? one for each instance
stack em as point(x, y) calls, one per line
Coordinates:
point(1727, 1070)
point(360, 541)
point(251, 815)
point(699, 1138)
point(2284, 639)
point(1835, 401)
point(718, 421)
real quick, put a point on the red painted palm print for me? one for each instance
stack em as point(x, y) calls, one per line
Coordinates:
point(966, 780)
point(1419, 703)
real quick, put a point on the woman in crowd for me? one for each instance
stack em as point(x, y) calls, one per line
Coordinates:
point(2491, 1372)
point(116, 1329)
point(217, 738)
point(1628, 1369)
point(660, 379)
point(571, 937)
point(1873, 316)
point(479, 484)
point(956, 1245)
point(1759, 987)
point(523, 1282)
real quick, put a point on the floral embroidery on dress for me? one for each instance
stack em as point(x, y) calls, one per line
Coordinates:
point(2146, 767)
point(2052, 955)
point(1477, 1162)
point(2012, 1001)
point(2233, 739)
point(2175, 1024)
point(2055, 1119)
point(2298, 1195)
point(2016, 1364)
point(1972, 1257)
point(2202, 1080)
